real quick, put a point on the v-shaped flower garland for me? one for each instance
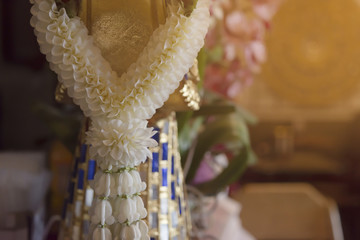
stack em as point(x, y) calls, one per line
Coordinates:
point(119, 106)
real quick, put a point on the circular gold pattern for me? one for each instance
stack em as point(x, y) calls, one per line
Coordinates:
point(314, 51)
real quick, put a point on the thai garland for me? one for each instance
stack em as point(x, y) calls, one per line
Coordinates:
point(119, 106)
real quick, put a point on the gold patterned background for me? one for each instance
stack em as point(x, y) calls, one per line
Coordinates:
point(314, 51)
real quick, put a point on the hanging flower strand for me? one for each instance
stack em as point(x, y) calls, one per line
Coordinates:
point(119, 106)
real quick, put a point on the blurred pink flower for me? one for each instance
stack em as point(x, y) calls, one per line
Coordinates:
point(211, 38)
point(236, 23)
point(228, 81)
point(255, 55)
point(215, 79)
point(238, 27)
point(266, 9)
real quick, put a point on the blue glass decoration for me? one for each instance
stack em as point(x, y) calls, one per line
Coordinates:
point(180, 208)
point(164, 206)
point(164, 177)
point(166, 127)
point(80, 183)
point(156, 136)
point(83, 153)
point(91, 169)
point(177, 177)
point(172, 165)
point(172, 190)
point(76, 165)
point(174, 219)
point(155, 162)
point(153, 220)
point(154, 193)
point(71, 191)
point(186, 76)
point(164, 151)
point(86, 226)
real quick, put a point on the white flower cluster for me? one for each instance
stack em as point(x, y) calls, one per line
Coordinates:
point(120, 144)
point(119, 106)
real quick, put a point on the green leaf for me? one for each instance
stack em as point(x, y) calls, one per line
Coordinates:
point(230, 174)
point(225, 129)
point(252, 158)
point(202, 58)
point(183, 119)
point(242, 130)
point(187, 137)
point(246, 115)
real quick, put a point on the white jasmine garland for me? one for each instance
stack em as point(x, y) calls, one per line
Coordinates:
point(130, 183)
point(119, 143)
point(143, 229)
point(139, 185)
point(103, 212)
point(126, 184)
point(102, 233)
point(140, 208)
point(88, 77)
point(127, 210)
point(118, 106)
point(100, 184)
point(131, 232)
point(137, 231)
